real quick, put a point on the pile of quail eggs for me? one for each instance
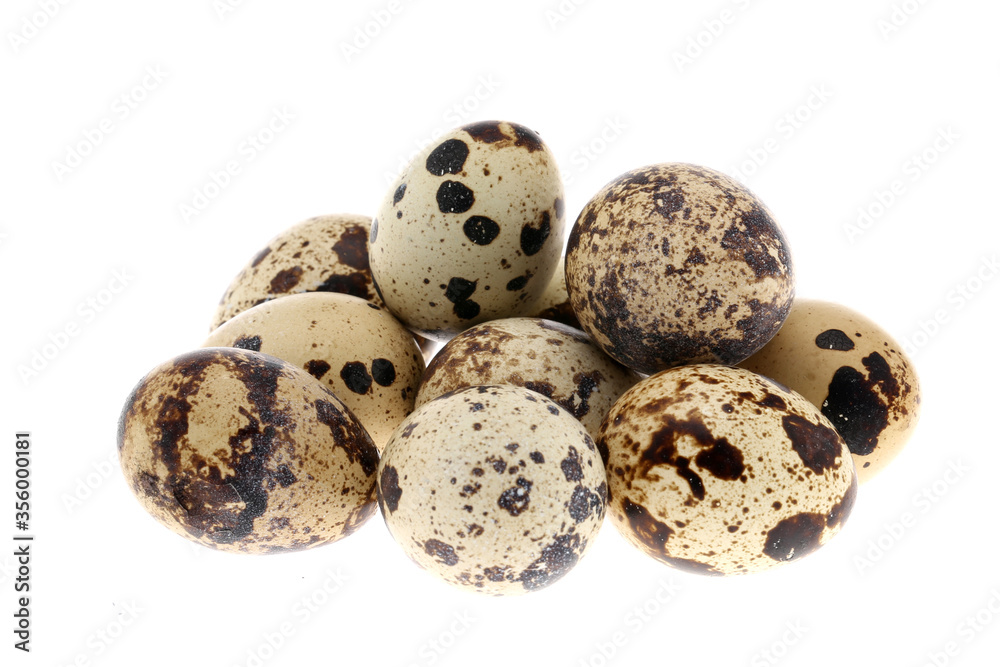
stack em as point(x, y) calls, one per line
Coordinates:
point(659, 371)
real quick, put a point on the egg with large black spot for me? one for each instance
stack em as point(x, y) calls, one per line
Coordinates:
point(471, 231)
point(243, 452)
point(719, 471)
point(854, 371)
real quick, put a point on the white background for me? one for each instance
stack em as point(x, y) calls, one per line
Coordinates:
point(605, 85)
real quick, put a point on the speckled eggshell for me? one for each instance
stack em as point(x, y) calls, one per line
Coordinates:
point(677, 264)
point(551, 358)
point(719, 471)
point(854, 371)
point(554, 304)
point(354, 347)
point(471, 231)
point(328, 253)
point(243, 452)
point(324, 254)
point(494, 489)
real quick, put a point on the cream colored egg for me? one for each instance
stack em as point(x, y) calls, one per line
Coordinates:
point(717, 470)
point(677, 264)
point(243, 452)
point(551, 358)
point(354, 347)
point(494, 489)
point(854, 371)
point(471, 231)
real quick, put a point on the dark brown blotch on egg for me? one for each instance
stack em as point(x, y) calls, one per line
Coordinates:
point(698, 454)
point(236, 496)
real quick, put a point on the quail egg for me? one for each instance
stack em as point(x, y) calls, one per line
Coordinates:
point(851, 369)
point(717, 470)
point(494, 489)
point(243, 452)
point(551, 358)
point(328, 253)
point(677, 264)
point(471, 231)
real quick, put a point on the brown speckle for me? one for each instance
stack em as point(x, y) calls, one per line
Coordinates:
point(516, 499)
point(817, 445)
point(444, 553)
point(285, 280)
point(795, 537)
point(317, 368)
point(389, 491)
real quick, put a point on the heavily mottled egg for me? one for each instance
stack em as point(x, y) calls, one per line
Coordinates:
point(471, 231)
point(673, 264)
point(716, 470)
point(354, 347)
point(495, 489)
point(243, 452)
point(854, 371)
point(323, 254)
point(554, 303)
point(553, 359)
